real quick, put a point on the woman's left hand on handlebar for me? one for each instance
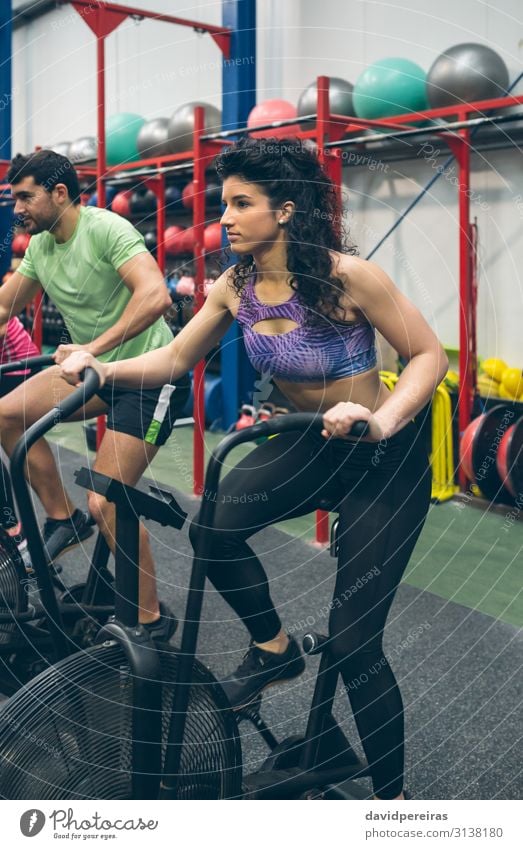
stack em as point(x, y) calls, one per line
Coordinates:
point(338, 420)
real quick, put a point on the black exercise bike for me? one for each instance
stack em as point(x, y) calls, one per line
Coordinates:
point(126, 719)
point(41, 618)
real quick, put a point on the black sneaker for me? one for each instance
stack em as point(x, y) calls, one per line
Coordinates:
point(60, 535)
point(164, 627)
point(261, 669)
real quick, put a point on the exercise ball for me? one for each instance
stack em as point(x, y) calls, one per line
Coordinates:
point(188, 240)
point(121, 134)
point(153, 138)
point(62, 148)
point(212, 238)
point(143, 200)
point(173, 240)
point(20, 243)
point(84, 149)
point(150, 240)
point(110, 194)
point(121, 203)
point(390, 87)
point(213, 394)
point(273, 110)
point(466, 72)
point(213, 194)
point(173, 199)
point(340, 100)
point(181, 125)
point(188, 195)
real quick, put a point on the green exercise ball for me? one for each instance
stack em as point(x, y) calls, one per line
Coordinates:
point(390, 87)
point(121, 134)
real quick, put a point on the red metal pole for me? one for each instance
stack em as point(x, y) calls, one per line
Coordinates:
point(199, 256)
point(467, 351)
point(322, 527)
point(100, 166)
point(100, 78)
point(160, 222)
point(101, 427)
point(322, 111)
point(322, 135)
point(37, 332)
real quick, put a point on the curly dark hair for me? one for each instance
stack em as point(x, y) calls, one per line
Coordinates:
point(289, 169)
point(48, 169)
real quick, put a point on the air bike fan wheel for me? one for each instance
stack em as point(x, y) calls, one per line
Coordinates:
point(72, 738)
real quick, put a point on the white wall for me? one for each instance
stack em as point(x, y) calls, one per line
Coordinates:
point(152, 67)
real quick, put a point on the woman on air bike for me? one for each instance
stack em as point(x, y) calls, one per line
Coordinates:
point(309, 310)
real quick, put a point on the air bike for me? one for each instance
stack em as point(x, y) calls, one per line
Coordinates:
point(41, 618)
point(130, 719)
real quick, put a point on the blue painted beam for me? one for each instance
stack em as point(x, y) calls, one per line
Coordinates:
point(238, 98)
point(6, 213)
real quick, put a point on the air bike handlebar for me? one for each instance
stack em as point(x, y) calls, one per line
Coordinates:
point(62, 411)
point(270, 427)
point(29, 364)
point(57, 414)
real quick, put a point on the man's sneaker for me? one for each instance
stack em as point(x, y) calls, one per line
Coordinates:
point(164, 627)
point(60, 535)
point(260, 669)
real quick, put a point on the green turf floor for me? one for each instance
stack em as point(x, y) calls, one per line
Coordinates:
point(464, 554)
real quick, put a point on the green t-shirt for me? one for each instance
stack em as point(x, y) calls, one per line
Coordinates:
point(80, 276)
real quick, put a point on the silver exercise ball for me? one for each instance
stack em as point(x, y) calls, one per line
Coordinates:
point(466, 72)
point(153, 138)
point(181, 125)
point(61, 147)
point(340, 100)
point(84, 149)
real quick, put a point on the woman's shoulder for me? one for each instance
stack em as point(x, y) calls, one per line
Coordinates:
point(364, 283)
point(228, 288)
point(358, 275)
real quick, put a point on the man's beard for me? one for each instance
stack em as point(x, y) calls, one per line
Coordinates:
point(34, 227)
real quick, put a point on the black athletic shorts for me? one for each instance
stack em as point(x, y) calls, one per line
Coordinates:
point(148, 414)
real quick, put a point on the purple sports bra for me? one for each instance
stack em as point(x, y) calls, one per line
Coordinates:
point(327, 351)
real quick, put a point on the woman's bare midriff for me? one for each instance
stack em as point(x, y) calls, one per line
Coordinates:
point(365, 389)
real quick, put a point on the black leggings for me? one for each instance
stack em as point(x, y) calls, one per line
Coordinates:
point(383, 491)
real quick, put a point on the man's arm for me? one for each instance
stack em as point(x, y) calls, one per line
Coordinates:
point(150, 299)
point(14, 295)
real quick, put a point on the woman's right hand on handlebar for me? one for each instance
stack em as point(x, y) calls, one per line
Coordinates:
point(73, 367)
